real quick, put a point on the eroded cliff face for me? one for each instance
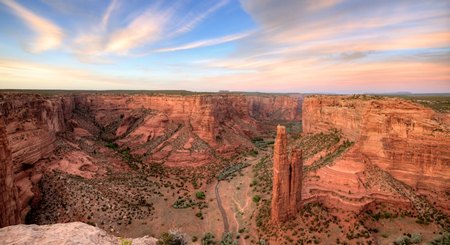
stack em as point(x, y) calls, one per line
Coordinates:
point(9, 208)
point(403, 138)
point(182, 130)
point(31, 125)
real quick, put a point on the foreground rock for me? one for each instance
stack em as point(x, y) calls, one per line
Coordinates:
point(68, 233)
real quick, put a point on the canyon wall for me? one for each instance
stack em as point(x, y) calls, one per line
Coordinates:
point(181, 130)
point(31, 125)
point(409, 141)
point(9, 207)
point(287, 179)
point(175, 130)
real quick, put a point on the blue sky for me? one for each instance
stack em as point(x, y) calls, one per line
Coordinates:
point(343, 46)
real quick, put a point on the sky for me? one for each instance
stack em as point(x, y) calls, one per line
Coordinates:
point(320, 46)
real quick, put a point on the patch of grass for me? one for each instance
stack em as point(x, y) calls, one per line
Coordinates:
point(124, 241)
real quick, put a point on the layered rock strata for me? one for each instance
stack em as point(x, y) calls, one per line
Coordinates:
point(405, 139)
point(287, 179)
point(31, 125)
point(9, 207)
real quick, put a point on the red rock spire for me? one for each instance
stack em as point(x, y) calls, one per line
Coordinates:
point(287, 179)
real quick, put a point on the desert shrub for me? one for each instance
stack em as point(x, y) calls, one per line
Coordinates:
point(256, 198)
point(441, 239)
point(112, 145)
point(416, 238)
point(200, 195)
point(227, 239)
point(253, 153)
point(173, 237)
point(409, 239)
point(208, 239)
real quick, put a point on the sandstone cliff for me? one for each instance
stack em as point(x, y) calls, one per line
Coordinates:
point(9, 211)
point(407, 140)
point(287, 179)
point(32, 122)
point(182, 130)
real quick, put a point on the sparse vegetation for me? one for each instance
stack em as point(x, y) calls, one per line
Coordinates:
point(124, 241)
point(208, 239)
point(408, 239)
point(173, 237)
point(230, 171)
point(443, 239)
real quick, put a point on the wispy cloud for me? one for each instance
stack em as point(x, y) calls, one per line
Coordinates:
point(206, 43)
point(49, 35)
point(191, 22)
point(146, 28)
point(107, 15)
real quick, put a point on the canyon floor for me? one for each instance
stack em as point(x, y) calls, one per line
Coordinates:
point(103, 173)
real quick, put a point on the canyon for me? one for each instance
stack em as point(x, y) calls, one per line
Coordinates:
point(176, 130)
point(142, 163)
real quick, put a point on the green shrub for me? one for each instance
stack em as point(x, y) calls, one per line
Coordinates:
point(208, 239)
point(256, 198)
point(227, 239)
point(112, 145)
point(200, 195)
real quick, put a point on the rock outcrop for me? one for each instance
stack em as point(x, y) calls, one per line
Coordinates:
point(9, 207)
point(68, 233)
point(405, 139)
point(287, 179)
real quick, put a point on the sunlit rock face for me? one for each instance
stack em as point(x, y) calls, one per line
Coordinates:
point(405, 139)
point(287, 179)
